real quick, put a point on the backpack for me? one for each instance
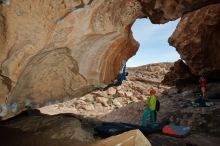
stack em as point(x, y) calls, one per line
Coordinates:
point(157, 105)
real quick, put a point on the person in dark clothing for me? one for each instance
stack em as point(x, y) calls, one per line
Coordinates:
point(120, 77)
point(203, 86)
point(117, 81)
point(124, 73)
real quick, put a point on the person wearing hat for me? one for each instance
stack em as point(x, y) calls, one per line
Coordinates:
point(150, 111)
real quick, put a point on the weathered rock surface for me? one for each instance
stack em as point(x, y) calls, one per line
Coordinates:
point(197, 41)
point(179, 75)
point(152, 73)
point(54, 50)
point(37, 129)
point(161, 11)
point(61, 49)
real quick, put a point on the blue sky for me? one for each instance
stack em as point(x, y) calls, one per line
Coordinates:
point(154, 46)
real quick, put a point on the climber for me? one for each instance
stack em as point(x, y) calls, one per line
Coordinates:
point(150, 111)
point(124, 73)
point(117, 81)
point(203, 86)
point(202, 100)
point(120, 78)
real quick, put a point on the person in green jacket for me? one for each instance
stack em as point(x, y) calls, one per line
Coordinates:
point(150, 111)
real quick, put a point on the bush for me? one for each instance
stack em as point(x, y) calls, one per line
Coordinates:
point(87, 100)
point(110, 101)
point(115, 95)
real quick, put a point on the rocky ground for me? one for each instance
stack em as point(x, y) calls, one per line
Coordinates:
point(73, 121)
point(204, 121)
point(135, 89)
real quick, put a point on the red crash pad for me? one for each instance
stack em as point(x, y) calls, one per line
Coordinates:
point(177, 131)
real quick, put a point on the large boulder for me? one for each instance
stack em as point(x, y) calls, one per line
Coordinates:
point(162, 11)
point(56, 50)
point(130, 138)
point(179, 75)
point(196, 39)
point(44, 130)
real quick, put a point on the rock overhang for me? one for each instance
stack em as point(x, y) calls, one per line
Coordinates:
point(54, 50)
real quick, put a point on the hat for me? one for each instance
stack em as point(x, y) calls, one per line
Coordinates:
point(152, 91)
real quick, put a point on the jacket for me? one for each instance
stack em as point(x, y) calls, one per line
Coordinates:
point(152, 102)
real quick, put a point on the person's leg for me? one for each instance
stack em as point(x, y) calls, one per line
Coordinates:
point(144, 118)
point(155, 116)
point(108, 86)
point(152, 119)
point(118, 83)
point(203, 92)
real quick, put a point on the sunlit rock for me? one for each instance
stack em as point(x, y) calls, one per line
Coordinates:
point(130, 138)
point(197, 41)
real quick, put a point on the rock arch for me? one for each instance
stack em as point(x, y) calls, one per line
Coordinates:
point(82, 42)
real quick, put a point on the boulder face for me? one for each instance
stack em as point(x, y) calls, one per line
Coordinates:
point(197, 41)
point(55, 50)
point(34, 128)
point(179, 75)
point(52, 50)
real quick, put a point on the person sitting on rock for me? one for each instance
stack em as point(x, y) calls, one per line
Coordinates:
point(203, 86)
point(150, 111)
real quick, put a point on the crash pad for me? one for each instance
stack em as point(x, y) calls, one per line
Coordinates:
point(176, 131)
point(201, 103)
point(107, 129)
